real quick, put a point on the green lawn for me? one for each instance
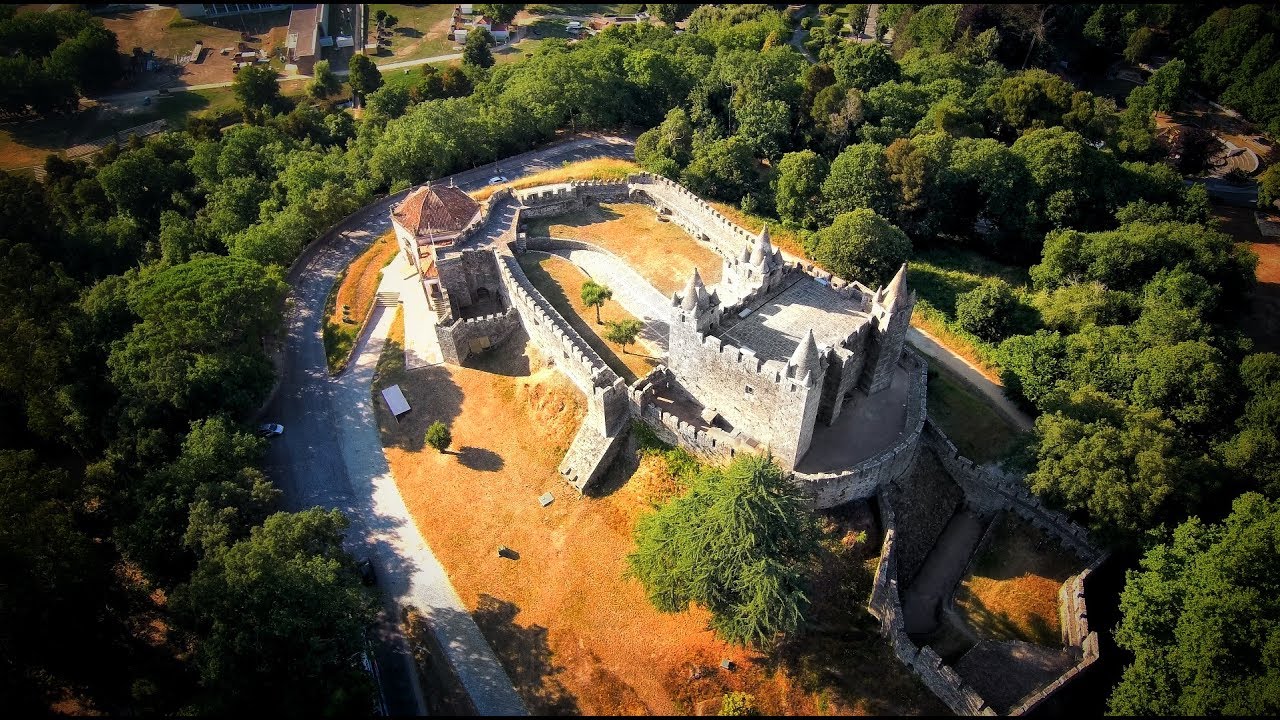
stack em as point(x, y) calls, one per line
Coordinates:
point(421, 31)
point(979, 431)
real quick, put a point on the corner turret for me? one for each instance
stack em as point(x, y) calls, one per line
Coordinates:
point(806, 361)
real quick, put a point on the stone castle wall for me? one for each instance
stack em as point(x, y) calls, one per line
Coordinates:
point(988, 494)
point(867, 477)
point(708, 443)
point(456, 338)
point(549, 201)
point(753, 395)
point(886, 605)
point(607, 405)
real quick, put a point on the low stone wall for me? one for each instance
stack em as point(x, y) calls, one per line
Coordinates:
point(886, 606)
point(986, 493)
point(561, 199)
point(455, 339)
point(1075, 633)
point(864, 479)
point(708, 443)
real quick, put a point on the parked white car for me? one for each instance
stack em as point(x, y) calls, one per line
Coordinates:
point(270, 430)
point(498, 179)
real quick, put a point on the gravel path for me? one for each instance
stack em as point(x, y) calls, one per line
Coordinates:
point(992, 391)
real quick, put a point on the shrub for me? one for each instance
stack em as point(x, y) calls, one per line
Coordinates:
point(738, 704)
point(987, 310)
point(438, 436)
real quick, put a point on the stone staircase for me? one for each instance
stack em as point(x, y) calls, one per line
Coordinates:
point(386, 299)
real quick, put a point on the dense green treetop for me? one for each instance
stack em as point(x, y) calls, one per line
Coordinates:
point(1202, 618)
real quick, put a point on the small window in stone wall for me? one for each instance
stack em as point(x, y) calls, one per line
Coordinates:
point(749, 390)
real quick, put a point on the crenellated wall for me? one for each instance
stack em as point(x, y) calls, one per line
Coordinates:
point(886, 605)
point(986, 492)
point(551, 200)
point(752, 394)
point(707, 442)
point(456, 339)
point(864, 480)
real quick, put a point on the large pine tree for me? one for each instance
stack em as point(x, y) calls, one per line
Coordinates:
point(741, 543)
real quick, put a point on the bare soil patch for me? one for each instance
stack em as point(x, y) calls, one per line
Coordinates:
point(560, 281)
point(1263, 321)
point(660, 251)
point(1012, 592)
point(574, 634)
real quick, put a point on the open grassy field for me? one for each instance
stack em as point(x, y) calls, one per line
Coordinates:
point(352, 297)
point(980, 432)
point(560, 281)
point(574, 634)
point(662, 252)
point(1012, 593)
point(422, 31)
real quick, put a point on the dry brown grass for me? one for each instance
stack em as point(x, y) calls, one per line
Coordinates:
point(596, 169)
point(560, 281)
point(360, 283)
point(573, 633)
point(956, 344)
point(660, 251)
point(1012, 593)
point(1263, 321)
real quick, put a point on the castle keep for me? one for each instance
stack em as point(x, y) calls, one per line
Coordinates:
point(785, 350)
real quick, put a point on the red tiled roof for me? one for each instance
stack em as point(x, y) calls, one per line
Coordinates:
point(430, 211)
point(499, 27)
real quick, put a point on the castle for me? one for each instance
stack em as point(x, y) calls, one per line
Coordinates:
point(785, 350)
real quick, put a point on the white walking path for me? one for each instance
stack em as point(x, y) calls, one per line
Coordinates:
point(406, 566)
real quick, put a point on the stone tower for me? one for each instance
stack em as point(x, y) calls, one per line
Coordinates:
point(890, 317)
point(696, 306)
point(760, 266)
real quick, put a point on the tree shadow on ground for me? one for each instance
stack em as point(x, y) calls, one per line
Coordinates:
point(431, 392)
point(526, 656)
point(479, 459)
point(840, 651)
point(408, 32)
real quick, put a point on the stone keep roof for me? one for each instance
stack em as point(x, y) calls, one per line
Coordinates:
point(431, 211)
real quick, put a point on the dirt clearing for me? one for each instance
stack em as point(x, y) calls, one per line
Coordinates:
point(1012, 593)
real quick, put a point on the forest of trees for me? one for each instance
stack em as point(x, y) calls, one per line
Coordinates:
point(136, 288)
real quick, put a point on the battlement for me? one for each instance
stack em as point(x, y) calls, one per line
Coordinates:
point(554, 334)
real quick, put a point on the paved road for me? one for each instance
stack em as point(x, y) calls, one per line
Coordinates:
point(992, 391)
point(330, 454)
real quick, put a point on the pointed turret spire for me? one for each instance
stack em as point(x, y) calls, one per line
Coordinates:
point(694, 293)
point(764, 249)
point(897, 289)
point(746, 253)
point(805, 359)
